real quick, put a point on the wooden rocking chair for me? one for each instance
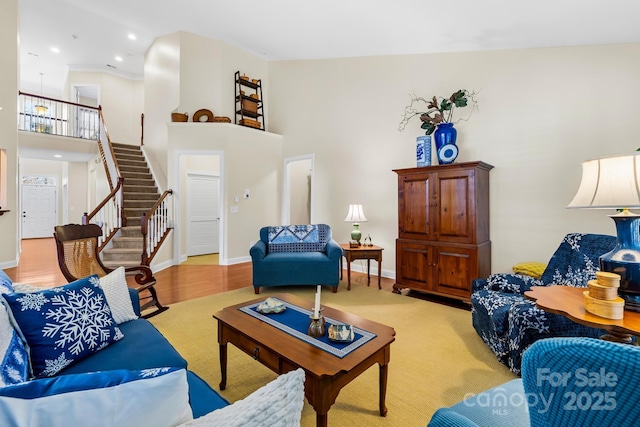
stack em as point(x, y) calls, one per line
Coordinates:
point(78, 257)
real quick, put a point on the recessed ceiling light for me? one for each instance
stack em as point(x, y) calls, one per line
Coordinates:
point(55, 50)
point(57, 156)
point(119, 58)
point(131, 36)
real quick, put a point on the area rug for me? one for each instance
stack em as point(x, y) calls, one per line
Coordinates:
point(436, 359)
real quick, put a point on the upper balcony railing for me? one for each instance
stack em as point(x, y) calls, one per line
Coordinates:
point(52, 116)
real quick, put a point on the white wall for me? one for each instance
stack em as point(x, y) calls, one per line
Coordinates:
point(541, 113)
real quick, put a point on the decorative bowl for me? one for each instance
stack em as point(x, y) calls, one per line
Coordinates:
point(271, 305)
point(340, 333)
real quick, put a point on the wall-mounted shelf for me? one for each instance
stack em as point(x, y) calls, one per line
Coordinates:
point(249, 106)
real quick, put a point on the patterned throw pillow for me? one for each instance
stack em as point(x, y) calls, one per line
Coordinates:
point(298, 238)
point(14, 361)
point(62, 325)
point(157, 397)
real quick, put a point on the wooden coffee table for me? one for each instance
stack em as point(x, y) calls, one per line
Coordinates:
point(281, 352)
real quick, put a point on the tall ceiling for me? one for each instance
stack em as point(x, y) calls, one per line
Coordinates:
point(89, 34)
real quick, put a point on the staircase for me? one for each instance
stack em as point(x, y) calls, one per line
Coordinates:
point(139, 195)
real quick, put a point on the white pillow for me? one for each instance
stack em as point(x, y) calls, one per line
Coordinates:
point(151, 397)
point(277, 404)
point(116, 290)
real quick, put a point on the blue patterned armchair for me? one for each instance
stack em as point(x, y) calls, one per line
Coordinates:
point(296, 255)
point(565, 382)
point(509, 323)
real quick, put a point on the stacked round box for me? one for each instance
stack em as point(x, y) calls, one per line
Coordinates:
point(602, 297)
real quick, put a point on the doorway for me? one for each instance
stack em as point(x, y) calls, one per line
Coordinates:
point(203, 210)
point(200, 212)
point(298, 190)
point(39, 213)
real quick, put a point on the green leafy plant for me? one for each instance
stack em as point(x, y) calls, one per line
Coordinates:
point(439, 109)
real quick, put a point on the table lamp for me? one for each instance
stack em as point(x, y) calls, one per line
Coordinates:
point(356, 215)
point(614, 183)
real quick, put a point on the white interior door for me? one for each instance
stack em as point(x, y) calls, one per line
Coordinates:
point(38, 210)
point(203, 214)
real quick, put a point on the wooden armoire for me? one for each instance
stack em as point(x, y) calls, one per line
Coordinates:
point(443, 228)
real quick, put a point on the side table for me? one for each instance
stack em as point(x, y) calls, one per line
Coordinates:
point(568, 301)
point(361, 252)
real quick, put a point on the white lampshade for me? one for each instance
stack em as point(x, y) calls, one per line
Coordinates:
point(356, 214)
point(610, 182)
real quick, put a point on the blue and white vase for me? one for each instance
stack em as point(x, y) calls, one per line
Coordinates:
point(445, 140)
point(423, 151)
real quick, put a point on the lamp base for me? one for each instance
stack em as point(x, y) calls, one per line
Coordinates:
point(356, 234)
point(624, 259)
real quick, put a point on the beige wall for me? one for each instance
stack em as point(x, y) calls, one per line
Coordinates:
point(162, 96)
point(77, 192)
point(9, 72)
point(300, 191)
point(541, 113)
point(250, 159)
point(121, 100)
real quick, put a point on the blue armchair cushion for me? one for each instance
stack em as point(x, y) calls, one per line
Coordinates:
point(297, 238)
point(501, 406)
point(582, 382)
point(62, 325)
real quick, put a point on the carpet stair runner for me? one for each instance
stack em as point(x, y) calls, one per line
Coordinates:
point(140, 194)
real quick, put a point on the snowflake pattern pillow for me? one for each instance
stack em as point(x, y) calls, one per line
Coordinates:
point(62, 325)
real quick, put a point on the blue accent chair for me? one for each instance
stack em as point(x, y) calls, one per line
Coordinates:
point(296, 255)
point(582, 382)
point(509, 323)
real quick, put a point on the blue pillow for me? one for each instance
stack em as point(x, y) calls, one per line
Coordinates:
point(14, 361)
point(6, 284)
point(62, 325)
point(155, 397)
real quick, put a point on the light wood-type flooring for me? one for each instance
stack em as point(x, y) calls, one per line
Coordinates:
point(38, 266)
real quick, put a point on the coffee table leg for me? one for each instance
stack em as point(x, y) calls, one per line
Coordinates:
point(223, 366)
point(321, 420)
point(383, 389)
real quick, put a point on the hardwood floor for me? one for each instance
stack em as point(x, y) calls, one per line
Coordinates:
point(39, 266)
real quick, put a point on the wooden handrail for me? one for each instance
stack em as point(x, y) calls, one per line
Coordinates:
point(105, 201)
point(91, 107)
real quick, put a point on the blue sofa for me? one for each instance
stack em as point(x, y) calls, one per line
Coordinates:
point(79, 354)
point(296, 255)
point(509, 323)
point(565, 382)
